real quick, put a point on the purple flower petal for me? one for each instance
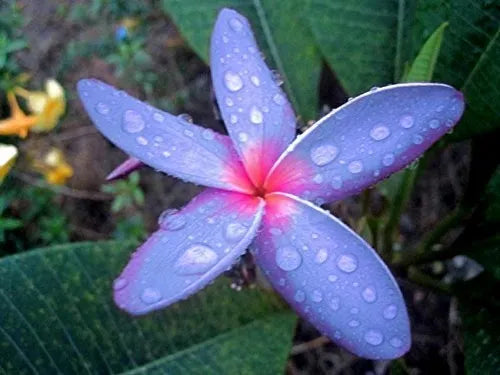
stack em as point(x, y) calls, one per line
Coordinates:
point(165, 142)
point(124, 169)
point(365, 140)
point(257, 114)
point(332, 277)
point(191, 248)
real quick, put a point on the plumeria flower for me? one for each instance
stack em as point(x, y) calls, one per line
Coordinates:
point(54, 167)
point(261, 187)
point(18, 123)
point(48, 106)
point(8, 155)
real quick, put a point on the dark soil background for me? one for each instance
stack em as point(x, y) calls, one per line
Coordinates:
point(183, 82)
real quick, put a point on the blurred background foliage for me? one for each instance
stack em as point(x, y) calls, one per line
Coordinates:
point(435, 223)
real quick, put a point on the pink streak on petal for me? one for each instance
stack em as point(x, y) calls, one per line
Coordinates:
point(124, 169)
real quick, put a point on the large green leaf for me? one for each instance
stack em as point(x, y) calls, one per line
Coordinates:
point(57, 316)
point(281, 32)
point(469, 58)
point(366, 42)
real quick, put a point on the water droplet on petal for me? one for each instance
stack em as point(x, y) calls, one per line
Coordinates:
point(434, 123)
point(197, 259)
point(278, 99)
point(142, 141)
point(379, 133)
point(243, 137)
point(337, 182)
point(102, 108)
point(318, 178)
point(158, 117)
point(184, 117)
point(369, 294)
point(229, 102)
point(374, 337)
point(233, 81)
point(120, 283)
point(208, 134)
point(166, 154)
point(355, 166)
point(256, 116)
point(150, 296)
point(390, 312)
point(288, 258)
point(418, 139)
point(334, 303)
point(347, 263)
point(321, 256)
point(354, 323)
point(406, 121)
point(132, 122)
point(276, 76)
point(396, 342)
point(299, 296)
point(235, 24)
point(171, 220)
point(188, 133)
point(235, 232)
point(255, 80)
point(332, 278)
point(324, 154)
point(233, 119)
point(317, 296)
point(388, 159)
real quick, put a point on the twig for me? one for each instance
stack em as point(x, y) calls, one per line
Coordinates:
point(309, 345)
point(63, 190)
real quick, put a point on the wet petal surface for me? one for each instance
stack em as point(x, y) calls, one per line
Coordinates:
point(365, 140)
point(191, 248)
point(258, 117)
point(163, 141)
point(332, 277)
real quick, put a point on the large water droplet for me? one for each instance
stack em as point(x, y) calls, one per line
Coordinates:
point(132, 121)
point(334, 303)
point(235, 24)
point(355, 166)
point(317, 296)
point(374, 337)
point(233, 81)
point(171, 220)
point(324, 154)
point(197, 259)
point(390, 312)
point(102, 108)
point(150, 296)
point(120, 283)
point(347, 263)
point(235, 231)
point(388, 159)
point(369, 294)
point(256, 116)
point(321, 256)
point(288, 258)
point(299, 296)
point(380, 132)
point(406, 121)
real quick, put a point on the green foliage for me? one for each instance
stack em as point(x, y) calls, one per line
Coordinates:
point(130, 228)
point(7, 223)
point(127, 193)
point(108, 9)
point(58, 316)
point(296, 58)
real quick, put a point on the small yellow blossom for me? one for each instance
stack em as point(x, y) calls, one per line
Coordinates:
point(54, 167)
point(8, 154)
point(48, 106)
point(18, 123)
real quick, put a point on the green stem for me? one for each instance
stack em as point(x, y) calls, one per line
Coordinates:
point(422, 252)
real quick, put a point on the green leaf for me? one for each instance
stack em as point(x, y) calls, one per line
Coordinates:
point(281, 32)
point(469, 57)
point(481, 338)
point(365, 42)
point(422, 68)
point(57, 316)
